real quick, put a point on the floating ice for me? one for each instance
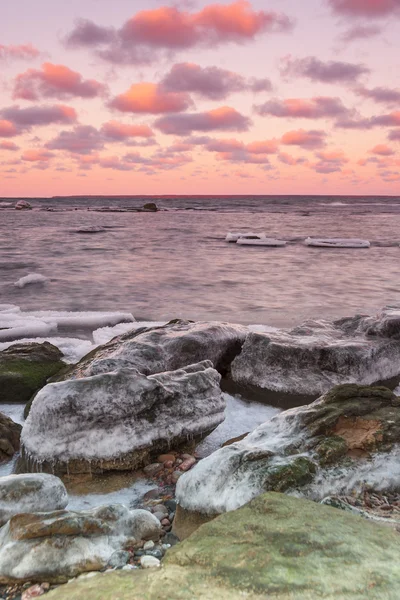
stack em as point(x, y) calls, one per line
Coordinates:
point(91, 229)
point(30, 279)
point(30, 330)
point(249, 240)
point(233, 237)
point(337, 243)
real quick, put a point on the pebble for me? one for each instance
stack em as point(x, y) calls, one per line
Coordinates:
point(148, 545)
point(171, 505)
point(175, 476)
point(156, 553)
point(129, 568)
point(119, 559)
point(187, 464)
point(163, 458)
point(152, 494)
point(160, 508)
point(165, 522)
point(169, 464)
point(149, 562)
point(35, 591)
point(153, 469)
point(171, 539)
point(160, 516)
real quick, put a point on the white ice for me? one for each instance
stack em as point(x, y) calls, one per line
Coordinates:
point(30, 279)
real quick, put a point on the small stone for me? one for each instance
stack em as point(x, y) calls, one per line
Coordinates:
point(33, 592)
point(165, 547)
point(171, 505)
point(119, 559)
point(165, 522)
point(186, 456)
point(171, 539)
point(152, 494)
point(169, 464)
point(153, 469)
point(160, 508)
point(148, 545)
point(160, 516)
point(139, 553)
point(149, 562)
point(175, 476)
point(187, 464)
point(163, 458)
point(156, 553)
point(178, 461)
point(128, 568)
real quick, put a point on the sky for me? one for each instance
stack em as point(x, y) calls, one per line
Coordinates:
point(198, 97)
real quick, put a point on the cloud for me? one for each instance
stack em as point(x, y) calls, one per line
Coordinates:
point(83, 139)
point(37, 155)
point(55, 81)
point(114, 130)
point(329, 161)
point(389, 120)
point(10, 146)
point(25, 118)
point(394, 136)
point(380, 94)
point(172, 29)
point(382, 150)
point(309, 140)
point(21, 51)
point(150, 98)
point(360, 32)
point(313, 108)
point(288, 159)
point(324, 72)
point(365, 8)
point(210, 82)
point(7, 128)
point(224, 118)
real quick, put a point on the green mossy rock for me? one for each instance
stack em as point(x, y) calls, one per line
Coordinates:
point(276, 548)
point(25, 368)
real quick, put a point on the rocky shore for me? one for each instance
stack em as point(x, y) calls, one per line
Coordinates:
point(144, 400)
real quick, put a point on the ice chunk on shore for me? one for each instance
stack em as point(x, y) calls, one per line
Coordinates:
point(31, 330)
point(30, 279)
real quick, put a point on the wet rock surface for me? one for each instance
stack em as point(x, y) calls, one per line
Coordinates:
point(25, 368)
point(39, 492)
point(227, 558)
point(117, 420)
point(10, 434)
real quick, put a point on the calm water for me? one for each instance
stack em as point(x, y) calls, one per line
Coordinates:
point(176, 263)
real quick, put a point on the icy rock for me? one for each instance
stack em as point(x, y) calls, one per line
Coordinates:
point(172, 346)
point(24, 368)
point(10, 433)
point(32, 493)
point(149, 562)
point(23, 205)
point(57, 546)
point(349, 423)
point(314, 357)
point(113, 421)
point(30, 279)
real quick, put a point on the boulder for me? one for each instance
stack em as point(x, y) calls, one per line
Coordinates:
point(23, 205)
point(150, 207)
point(25, 368)
point(33, 493)
point(10, 433)
point(345, 427)
point(172, 346)
point(118, 420)
point(275, 547)
point(55, 546)
point(314, 357)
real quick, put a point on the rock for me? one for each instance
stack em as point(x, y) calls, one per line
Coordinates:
point(171, 539)
point(10, 433)
point(152, 469)
point(55, 546)
point(166, 458)
point(285, 454)
point(23, 205)
point(187, 464)
point(311, 359)
point(149, 562)
point(38, 492)
point(24, 368)
point(159, 515)
point(150, 207)
point(156, 553)
point(167, 348)
point(148, 545)
point(119, 559)
point(35, 591)
point(115, 421)
point(175, 476)
point(276, 547)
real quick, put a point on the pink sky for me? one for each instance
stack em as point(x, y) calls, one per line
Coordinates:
point(197, 97)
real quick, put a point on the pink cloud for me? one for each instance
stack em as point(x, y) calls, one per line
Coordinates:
point(10, 146)
point(382, 150)
point(21, 51)
point(83, 139)
point(7, 128)
point(308, 140)
point(360, 32)
point(25, 118)
point(37, 155)
point(365, 8)
point(236, 151)
point(117, 131)
point(288, 159)
point(313, 108)
point(325, 72)
point(150, 98)
point(380, 94)
point(210, 82)
point(170, 28)
point(388, 120)
point(224, 118)
point(394, 136)
point(55, 81)
point(329, 161)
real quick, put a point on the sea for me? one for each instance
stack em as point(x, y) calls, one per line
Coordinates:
point(175, 263)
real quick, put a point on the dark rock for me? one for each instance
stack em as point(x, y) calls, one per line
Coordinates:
point(150, 207)
point(118, 559)
point(10, 433)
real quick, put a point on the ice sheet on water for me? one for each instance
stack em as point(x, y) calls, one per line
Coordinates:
point(32, 278)
point(30, 330)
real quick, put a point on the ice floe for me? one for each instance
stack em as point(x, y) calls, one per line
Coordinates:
point(31, 279)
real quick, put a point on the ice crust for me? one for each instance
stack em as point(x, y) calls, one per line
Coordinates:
point(30, 279)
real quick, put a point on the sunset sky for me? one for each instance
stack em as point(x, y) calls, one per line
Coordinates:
point(197, 97)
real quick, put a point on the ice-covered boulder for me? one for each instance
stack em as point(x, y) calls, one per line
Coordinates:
point(10, 433)
point(314, 357)
point(23, 205)
point(55, 546)
point(116, 420)
point(30, 493)
point(24, 368)
point(276, 547)
point(345, 426)
point(172, 346)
